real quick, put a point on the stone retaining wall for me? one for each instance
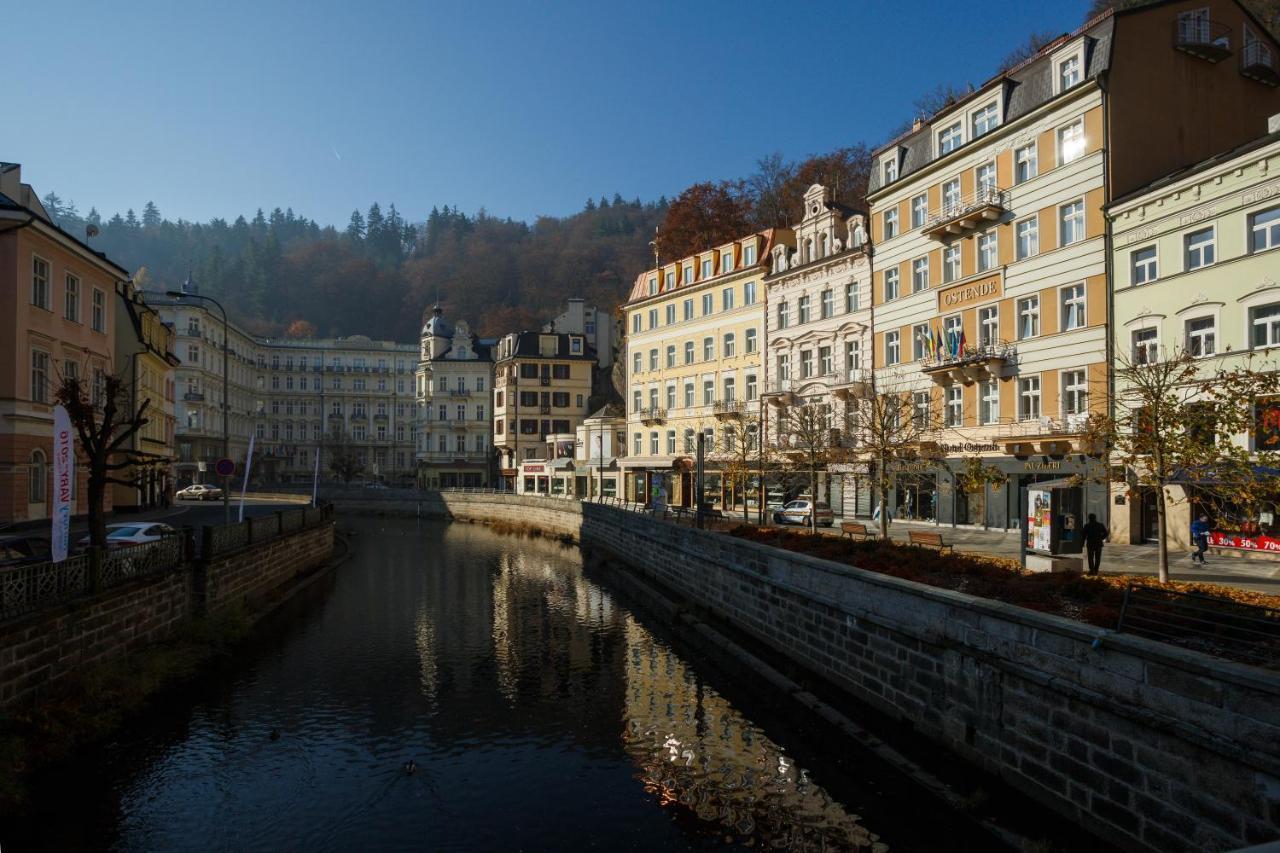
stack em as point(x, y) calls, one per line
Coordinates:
point(1150, 746)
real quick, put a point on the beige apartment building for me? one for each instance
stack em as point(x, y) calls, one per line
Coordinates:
point(694, 352)
point(454, 378)
point(990, 287)
point(145, 355)
point(541, 387)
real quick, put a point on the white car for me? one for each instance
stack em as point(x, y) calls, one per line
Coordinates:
point(134, 533)
point(797, 512)
point(199, 492)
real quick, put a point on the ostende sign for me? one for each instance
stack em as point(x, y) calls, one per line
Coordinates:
point(971, 293)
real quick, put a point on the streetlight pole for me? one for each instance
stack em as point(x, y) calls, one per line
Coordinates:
point(226, 398)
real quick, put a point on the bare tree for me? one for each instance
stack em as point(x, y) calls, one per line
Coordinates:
point(809, 433)
point(741, 449)
point(104, 420)
point(1176, 420)
point(344, 462)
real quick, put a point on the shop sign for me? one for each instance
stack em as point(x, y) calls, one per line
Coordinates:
point(969, 447)
point(1041, 466)
point(964, 295)
point(1245, 543)
point(534, 469)
point(913, 467)
point(1039, 519)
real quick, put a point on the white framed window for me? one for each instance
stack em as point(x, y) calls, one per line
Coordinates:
point(39, 376)
point(920, 274)
point(784, 314)
point(688, 394)
point(853, 355)
point(1146, 346)
point(892, 347)
point(919, 210)
point(988, 256)
point(806, 363)
point(891, 284)
point(1264, 229)
point(749, 290)
point(635, 322)
point(1029, 317)
point(1029, 398)
point(920, 406)
point(891, 223)
point(950, 138)
point(919, 341)
point(850, 296)
point(802, 309)
point(653, 285)
point(708, 349)
point(39, 282)
point(671, 441)
point(687, 276)
point(1027, 237)
point(1024, 164)
point(985, 120)
point(1144, 265)
point(752, 387)
point(1201, 248)
point(726, 261)
point(827, 305)
point(671, 355)
point(751, 340)
point(985, 178)
point(708, 391)
point(784, 366)
point(71, 299)
point(989, 326)
point(730, 345)
point(708, 304)
point(653, 318)
point(951, 197)
point(989, 401)
point(1264, 323)
point(1072, 306)
point(653, 359)
point(1194, 26)
point(1071, 223)
point(1202, 336)
point(670, 312)
point(726, 299)
point(1075, 393)
point(37, 477)
point(1069, 73)
point(748, 255)
point(708, 267)
point(1071, 142)
point(637, 362)
point(955, 405)
point(688, 352)
point(688, 309)
point(890, 169)
point(669, 280)
point(951, 262)
point(952, 326)
point(653, 443)
point(824, 361)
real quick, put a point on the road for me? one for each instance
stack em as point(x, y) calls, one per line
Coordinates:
point(195, 513)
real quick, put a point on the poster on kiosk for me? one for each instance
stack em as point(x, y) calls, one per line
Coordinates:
point(1054, 520)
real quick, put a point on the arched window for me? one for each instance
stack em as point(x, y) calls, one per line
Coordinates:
point(39, 476)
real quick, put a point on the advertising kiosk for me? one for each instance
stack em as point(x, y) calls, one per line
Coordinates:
point(1054, 528)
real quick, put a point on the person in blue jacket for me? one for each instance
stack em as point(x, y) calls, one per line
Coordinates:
point(1200, 536)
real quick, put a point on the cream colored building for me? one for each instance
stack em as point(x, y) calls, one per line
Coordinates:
point(145, 355)
point(454, 379)
point(694, 349)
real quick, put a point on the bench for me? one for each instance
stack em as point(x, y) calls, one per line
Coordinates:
point(854, 528)
point(928, 540)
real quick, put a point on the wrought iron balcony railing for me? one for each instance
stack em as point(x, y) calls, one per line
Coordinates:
point(966, 214)
point(970, 362)
point(1257, 62)
point(1202, 37)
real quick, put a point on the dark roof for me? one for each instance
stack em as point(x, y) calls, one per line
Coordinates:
point(1208, 163)
point(7, 203)
point(526, 346)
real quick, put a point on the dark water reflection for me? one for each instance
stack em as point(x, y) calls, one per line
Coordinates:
point(541, 713)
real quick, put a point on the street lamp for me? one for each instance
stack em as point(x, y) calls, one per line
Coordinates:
point(226, 398)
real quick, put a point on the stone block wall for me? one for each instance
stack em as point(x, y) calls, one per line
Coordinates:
point(252, 575)
point(1153, 747)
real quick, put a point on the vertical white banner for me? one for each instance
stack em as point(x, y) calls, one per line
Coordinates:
point(244, 487)
point(64, 469)
point(315, 478)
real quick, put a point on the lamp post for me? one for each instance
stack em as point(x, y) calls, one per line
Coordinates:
point(226, 400)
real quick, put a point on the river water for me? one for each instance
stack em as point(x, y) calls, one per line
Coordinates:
point(540, 711)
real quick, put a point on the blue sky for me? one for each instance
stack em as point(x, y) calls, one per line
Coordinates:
point(523, 108)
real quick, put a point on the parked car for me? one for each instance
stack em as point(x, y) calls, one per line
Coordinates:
point(199, 492)
point(17, 550)
point(134, 533)
point(797, 512)
point(375, 484)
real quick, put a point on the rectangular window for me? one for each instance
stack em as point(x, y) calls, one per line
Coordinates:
point(828, 308)
point(1029, 398)
point(985, 120)
point(752, 389)
point(891, 223)
point(670, 312)
point(824, 361)
point(71, 303)
point(784, 314)
point(1143, 265)
point(890, 284)
point(989, 401)
point(688, 309)
point(1146, 346)
point(988, 326)
point(1201, 337)
point(920, 406)
point(708, 349)
point(653, 285)
point(708, 392)
point(806, 363)
point(730, 389)
point(892, 348)
point(951, 198)
point(726, 299)
point(708, 304)
point(950, 138)
point(852, 356)
point(40, 283)
point(669, 281)
point(1071, 142)
point(637, 362)
point(653, 359)
point(749, 293)
point(671, 355)
point(708, 267)
point(951, 263)
point(726, 261)
point(688, 352)
point(1024, 164)
point(919, 210)
point(1264, 230)
point(653, 318)
point(1027, 233)
point(851, 297)
point(99, 319)
point(986, 179)
point(1075, 394)
point(637, 446)
point(891, 169)
point(1071, 223)
point(802, 305)
point(1265, 323)
point(920, 274)
point(39, 376)
point(955, 405)
point(635, 322)
point(1072, 306)
point(920, 337)
point(730, 345)
point(1029, 317)
point(988, 256)
point(784, 366)
point(748, 256)
point(1200, 248)
point(671, 395)
point(1068, 73)
point(688, 394)
point(751, 340)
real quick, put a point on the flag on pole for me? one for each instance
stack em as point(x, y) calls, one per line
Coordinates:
point(315, 478)
point(244, 487)
point(64, 472)
point(961, 343)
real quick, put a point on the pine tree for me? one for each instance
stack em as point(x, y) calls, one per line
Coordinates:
point(94, 217)
point(590, 205)
point(355, 228)
point(150, 215)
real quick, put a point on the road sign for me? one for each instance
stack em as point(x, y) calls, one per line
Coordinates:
point(224, 467)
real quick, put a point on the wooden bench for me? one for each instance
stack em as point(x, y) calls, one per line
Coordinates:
point(928, 540)
point(854, 528)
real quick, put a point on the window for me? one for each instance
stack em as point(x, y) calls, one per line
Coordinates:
point(653, 285)
point(635, 322)
point(1029, 317)
point(99, 323)
point(752, 389)
point(653, 318)
point(671, 395)
point(653, 443)
point(920, 274)
point(637, 362)
point(988, 326)
point(653, 359)
point(671, 355)
point(806, 363)
point(919, 210)
point(891, 223)
point(748, 255)
point(730, 389)
point(726, 260)
point(37, 477)
point(1068, 73)
point(1265, 323)
point(950, 138)
point(892, 348)
point(671, 316)
point(71, 301)
point(688, 309)
point(751, 340)
point(688, 441)
point(828, 308)
point(951, 262)
point(99, 386)
point(559, 399)
point(1029, 398)
point(985, 120)
point(708, 267)
point(1143, 265)
point(708, 304)
point(1024, 164)
point(891, 170)
point(955, 405)
point(726, 299)
point(1146, 346)
point(851, 296)
point(986, 179)
point(784, 314)
point(669, 281)
point(951, 197)
point(40, 283)
point(853, 355)
point(729, 345)
point(824, 361)
point(920, 407)
point(890, 284)
point(1200, 247)
point(193, 354)
point(1071, 142)
point(749, 292)
point(39, 376)
point(688, 394)
point(1071, 223)
point(989, 401)
point(1264, 230)
point(987, 252)
point(1075, 393)
point(919, 341)
point(784, 366)
point(688, 352)
point(1073, 315)
point(561, 371)
point(671, 441)
point(708, 349)
point(1027, 233)
point(708, 391)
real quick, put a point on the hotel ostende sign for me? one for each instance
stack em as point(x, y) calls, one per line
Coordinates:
point(971, 293)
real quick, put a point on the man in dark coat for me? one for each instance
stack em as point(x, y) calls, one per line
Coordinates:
point(1095, 533)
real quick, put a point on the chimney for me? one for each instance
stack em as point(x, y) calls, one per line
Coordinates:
point(1273, 124)
point(917, 124)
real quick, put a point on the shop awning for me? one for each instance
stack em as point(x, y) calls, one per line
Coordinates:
point(1212, 476)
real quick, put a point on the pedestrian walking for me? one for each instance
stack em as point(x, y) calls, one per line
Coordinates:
point(1095, 533)
point(1200, 536)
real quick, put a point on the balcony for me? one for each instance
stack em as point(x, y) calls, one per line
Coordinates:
point(459, 392)
point(1202, 38)
point(853, 383)
point(193, 397)
point(653, 416)
point(1047, 435)
point(971, 364)
point(726, 410)
point(965, 215)
point(780, 392)
point(1257, 62)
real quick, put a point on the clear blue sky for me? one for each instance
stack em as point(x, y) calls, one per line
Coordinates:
point(524, 108)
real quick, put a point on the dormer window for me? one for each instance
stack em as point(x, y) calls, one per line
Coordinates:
point(891, 170)
point(950, 138)
point(670, 281)
point(575, 346)
point(1068, 73)
point(708, 267)
point(653, 285)
point(726, 260)
point(748, 255)
point(688, 273)
point(985, 120)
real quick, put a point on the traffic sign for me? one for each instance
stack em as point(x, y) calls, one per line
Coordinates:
point(224, 467)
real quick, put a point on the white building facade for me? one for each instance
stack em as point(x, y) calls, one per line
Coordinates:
point(454, 378)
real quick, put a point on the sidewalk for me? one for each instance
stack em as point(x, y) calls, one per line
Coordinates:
point(1259, 575)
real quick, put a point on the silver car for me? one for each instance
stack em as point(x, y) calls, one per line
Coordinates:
point(798, 512)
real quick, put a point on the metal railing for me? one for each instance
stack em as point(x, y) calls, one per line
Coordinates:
point(1215, 626)
point(971, 354)
point(1195, 33)
point(951, 210)
point(1257, 55)
point(223, 539)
